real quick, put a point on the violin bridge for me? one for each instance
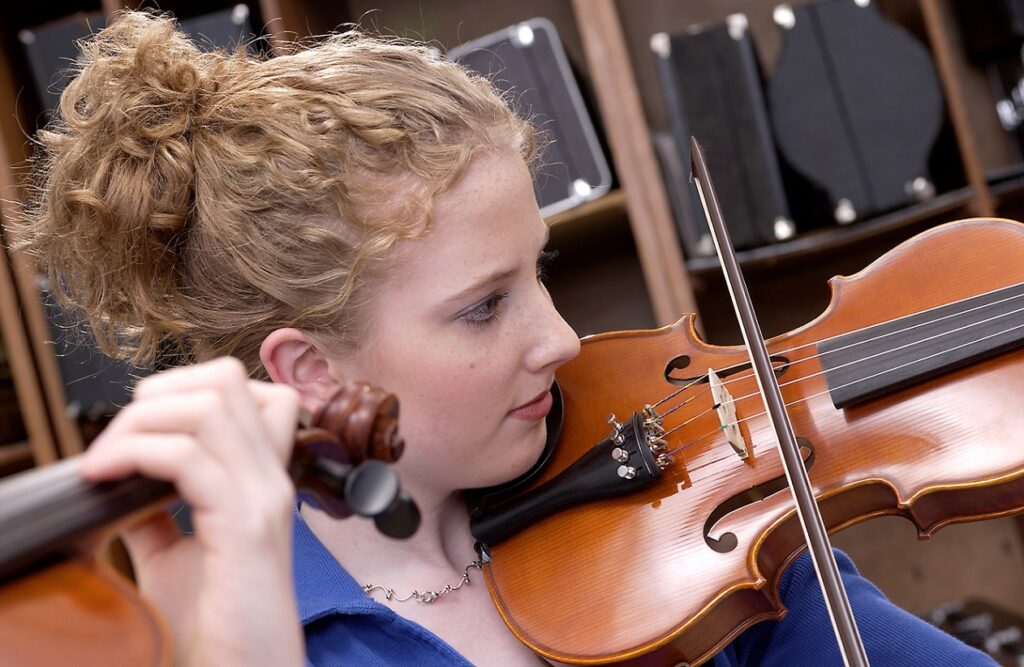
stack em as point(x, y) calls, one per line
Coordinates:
point(725, 407)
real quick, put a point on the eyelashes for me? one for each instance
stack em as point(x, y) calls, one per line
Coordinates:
point(544, 262)
point(488, 310)
point(485, 312)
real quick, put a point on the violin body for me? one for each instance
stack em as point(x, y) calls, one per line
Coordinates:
point(80, 612)
point(673, 573)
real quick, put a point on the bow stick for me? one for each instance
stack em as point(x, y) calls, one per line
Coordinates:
point(836, 601)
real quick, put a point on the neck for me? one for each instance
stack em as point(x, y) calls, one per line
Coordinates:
point(443, 544)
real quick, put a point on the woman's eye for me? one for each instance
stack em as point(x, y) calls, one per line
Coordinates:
point(544, 262)
point(485, 312)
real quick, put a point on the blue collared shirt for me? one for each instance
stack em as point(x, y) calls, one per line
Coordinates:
point(344, 626)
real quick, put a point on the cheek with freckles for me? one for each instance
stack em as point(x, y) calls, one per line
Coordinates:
point(453, 415)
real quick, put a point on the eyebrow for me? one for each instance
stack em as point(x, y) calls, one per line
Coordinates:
point(495, 277)
point(492, 279)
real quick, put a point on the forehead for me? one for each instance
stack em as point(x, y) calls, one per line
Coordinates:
point(489, 219)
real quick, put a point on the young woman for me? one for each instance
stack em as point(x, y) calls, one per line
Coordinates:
point(361, 209)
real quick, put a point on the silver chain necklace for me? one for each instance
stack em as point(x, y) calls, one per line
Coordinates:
point(426, 596)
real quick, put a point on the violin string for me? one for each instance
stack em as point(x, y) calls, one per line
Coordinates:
point(827, 391)
point(692, 470)
point(692, 398)
point(675, 393)
point(884, 335)
point(741, 364)
point(888, 351)
point(838, 349)
point(851, 363)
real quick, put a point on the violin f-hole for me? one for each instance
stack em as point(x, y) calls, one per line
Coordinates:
point(779, 363)
point(728, 541)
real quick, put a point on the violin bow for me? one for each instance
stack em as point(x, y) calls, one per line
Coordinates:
point(836, 601)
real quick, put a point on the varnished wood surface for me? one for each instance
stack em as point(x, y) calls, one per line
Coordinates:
point(619, 579)
point(94, 617)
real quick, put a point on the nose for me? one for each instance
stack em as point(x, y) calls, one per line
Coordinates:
point(553, 343)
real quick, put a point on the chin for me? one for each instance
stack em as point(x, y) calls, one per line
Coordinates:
point(516, 461)
point(531, 451)
point(508, 456)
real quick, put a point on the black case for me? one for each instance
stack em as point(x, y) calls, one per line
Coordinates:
point(713, 90)
point(1006, 78)
point(95, 386)
point(51, 49)
point(225, 29)
point(856, 107)
point(993, 34)
point(527, 62)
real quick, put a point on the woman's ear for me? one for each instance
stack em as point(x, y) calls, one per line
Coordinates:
point(292, 359)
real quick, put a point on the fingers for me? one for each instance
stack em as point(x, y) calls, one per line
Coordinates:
point(176, 457)
point(259, 408)
point(223, 372)
point(224, 384)
point(218, 436)
point(151, 535)
point(279, 407)
point(205, 416)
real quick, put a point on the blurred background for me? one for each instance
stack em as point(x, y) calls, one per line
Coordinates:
point(834, 129)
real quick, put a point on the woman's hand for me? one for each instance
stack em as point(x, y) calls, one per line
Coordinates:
point(223, 440)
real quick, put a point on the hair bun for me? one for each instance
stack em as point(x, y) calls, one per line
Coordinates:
point(117, 170)
point(143, 65)
point(142, 87)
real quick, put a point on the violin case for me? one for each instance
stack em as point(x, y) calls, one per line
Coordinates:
point(856, 106)
point(95, 386)
point(712, 88)
point(526, 61)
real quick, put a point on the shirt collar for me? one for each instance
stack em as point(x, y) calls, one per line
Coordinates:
point(322, 586)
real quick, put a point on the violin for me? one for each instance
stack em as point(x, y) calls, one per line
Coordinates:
point(667, 538)
point(663, 541)
point(52, 521)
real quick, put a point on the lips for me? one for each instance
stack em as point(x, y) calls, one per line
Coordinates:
point(533, 400)
point(534, 410)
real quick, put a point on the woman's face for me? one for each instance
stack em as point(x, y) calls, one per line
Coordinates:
point(465, 334)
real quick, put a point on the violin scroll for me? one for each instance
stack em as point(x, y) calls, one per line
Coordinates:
point(339, 463)
point(365, 419)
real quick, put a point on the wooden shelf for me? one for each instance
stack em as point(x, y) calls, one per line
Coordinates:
point(824, 241)
point(15, 456)
point(612, 204)
point(15, 451)
point(1009, 188)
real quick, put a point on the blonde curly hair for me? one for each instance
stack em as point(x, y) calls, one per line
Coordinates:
point(193, 202)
